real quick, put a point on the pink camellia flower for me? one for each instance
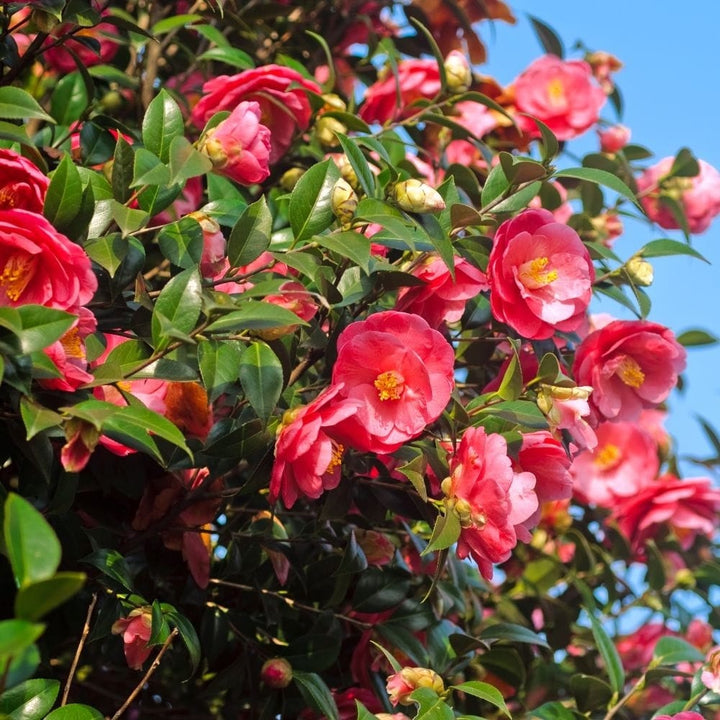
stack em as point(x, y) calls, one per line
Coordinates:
point(710, 677)
point(212, 260)
point(540, 275)
point(689, 507)
point(631, 365)
point(624, 462)
point(40, 266)
point(684, 715)
point(281, 93)
point(402, 684)
point(105, 37)
point(400, 371)
point(698, 196)
point(308, 458)
point(441, 299)
point(614, 138)
point(68, 354)
point(239, 146)
point(491, 500)
point(135, 629)
point(566, 409)
point(293, 296)
point(22, 185)
point(560, 93)
point(417, 79)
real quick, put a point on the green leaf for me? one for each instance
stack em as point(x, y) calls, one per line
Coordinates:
point(230, 56)
point(39, 598)
point(495, 185)
point(378, 590)
point(23, 665)
point(182, 242)
point(553, 711)
point(512, 383)
point(310, 211)
point(219, 362)
point(31, 700)
point(520, 412)
point(431, 706)
point(112, 564)
point(250, 236)
point(352, 245)
point(362, 712)
point(591, 693)
point(64, 194)
point(316, 694)
point(548, 38)
point(511, 633)
point(358, 162)
point(37, 418)
point(696, 337)
point(36, 326)
point(123, 167)
point(162, 123)
point(75, 711)
point(666, 246)
point(685, 164)
point(673, 650)
point(186, 162)
point(174, 22)
point(69, 99)
point(178, 306)
point(254, 315)
point(484, 691)
point(439, 58)
point(148, 170)
point(518, 199)
point(128, 219)
point(261, 377)
point(32, 546)
point(17, 635)
point(445, 533)
point(609, 654)
point(601, 177)
point(16, 104)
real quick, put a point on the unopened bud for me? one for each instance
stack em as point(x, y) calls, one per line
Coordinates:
point(333, 102)
point(347, 171)
point(685, 578)
point(640, 271)
point(416, 196)
point(325, 129)
point(344, 202)
point(276, 673)
point(457, 71)
point(214, 150)
point(290, 177)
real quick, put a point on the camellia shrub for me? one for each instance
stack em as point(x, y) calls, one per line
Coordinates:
point(305, 409)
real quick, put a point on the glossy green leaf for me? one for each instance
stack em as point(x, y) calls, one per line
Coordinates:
point(148, 169)
point(548, 37)
point(519, 199)
point(310, 211)
point(590, 692)
point(601, 177)
point(75, 711)
point(672, 650)
point(250, 236)
point(112, 564)
point(185, 161)
point(219, 365)
point(128, 219)
point(17, 635)
point(35, 600)
point(316, 693)
point(182, 242)
point(511, 384)
point(173, 23)
point(178, 306)
point(162, 123)
point(230, 56)
point(609, 654)
point(64, 194)
point(352, 245)
point(16, 104)
point(358, 162)
point(36, 326)
point(521, 412)
point(437, 53)
point(254, 315)
point(510, 632)
point(685, 164)
point(431, 706)
point(696, 337)
point(484, 691)
point(261, 377)
point(666, 246)
point(445, 532)
point(378, 590)
point(495, 185)
point(362, 712)
point(31, 700)
point(69, 99)
point(553, 711)
point(23, 665)
point(123, 168)
point(37, 418)
point(32, 546)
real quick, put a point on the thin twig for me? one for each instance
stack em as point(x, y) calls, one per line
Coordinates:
point(76, 659)
point(146, 677)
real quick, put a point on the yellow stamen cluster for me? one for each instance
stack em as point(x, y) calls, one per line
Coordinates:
point(607, 456)
point(16, 275)
point(338, 450)
point(630, 372)
point(533, 274)
point(389, 385)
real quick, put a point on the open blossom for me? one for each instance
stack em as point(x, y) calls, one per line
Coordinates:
point(560, 93)
point(491, 500)
point(402, 684)
point(631, 365)
point(22, 185)
point(699, 196)
point(69, 356)
point(624, 462)
point(441, 298)
point(540, 275)
point(40, 266)
point(400, 371)
point(690, 507)
point(239, 146)
point(308, 458)
point(135, 630)
point(417, 79)
point(566, 409)
point(281, 93)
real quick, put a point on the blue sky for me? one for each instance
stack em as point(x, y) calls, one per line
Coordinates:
point(672, 99)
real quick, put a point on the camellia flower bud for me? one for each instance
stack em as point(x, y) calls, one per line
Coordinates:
point(276, 673)
point(416, 196)
point(640, 271)
point(344, 202)
point(325, 129)
point(347, 171)
point(401, 685)
point(457, 71)
point(290, 177)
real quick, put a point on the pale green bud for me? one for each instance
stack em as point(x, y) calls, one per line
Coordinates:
point(416, 196)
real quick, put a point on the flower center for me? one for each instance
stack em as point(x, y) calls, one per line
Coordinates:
point(7, 198)
point(630, 372)
point(16, 275)
point(338, 450)
point(556, 93)
point(607, 456)
point(533, 274)
point(390, 385)
point(72, 344)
